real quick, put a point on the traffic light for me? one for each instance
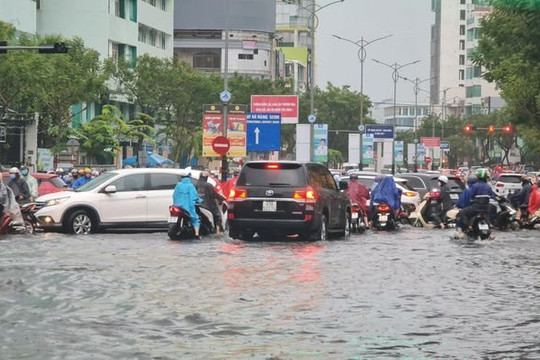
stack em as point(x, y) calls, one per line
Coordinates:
point(57, 48)
point(508, 129)
point(491, 129)
point(468, 128)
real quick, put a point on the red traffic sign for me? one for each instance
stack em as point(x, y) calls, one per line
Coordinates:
point(427, 159)
point(221, 145)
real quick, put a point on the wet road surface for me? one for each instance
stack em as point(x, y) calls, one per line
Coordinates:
point(413, 294)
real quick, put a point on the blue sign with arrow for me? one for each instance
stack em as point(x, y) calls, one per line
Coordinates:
point(263, 132)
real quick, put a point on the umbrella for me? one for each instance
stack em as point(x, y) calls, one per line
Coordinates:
point(152, 160)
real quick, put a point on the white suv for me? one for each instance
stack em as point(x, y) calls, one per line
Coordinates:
point(128, 198)
point(506, 184)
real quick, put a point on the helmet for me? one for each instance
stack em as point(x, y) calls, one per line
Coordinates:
point(525, 178)
point(95, 173)
point(471, 180)
point(481, 174)
point(185, 172)
point(59, 171)
point(73, 171)
point(353, 176)
point(88, 171)
point(14, 170)
point(80, 171)
point(443, 179)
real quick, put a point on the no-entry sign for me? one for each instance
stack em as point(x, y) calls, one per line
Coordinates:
point(221, 145)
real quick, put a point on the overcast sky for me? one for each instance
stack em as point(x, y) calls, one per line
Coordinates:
point(337, 62)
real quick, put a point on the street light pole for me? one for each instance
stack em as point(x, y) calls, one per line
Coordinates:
point(395, 77)
point(362, 54)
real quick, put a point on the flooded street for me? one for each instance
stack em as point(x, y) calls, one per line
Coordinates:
point(411, 294)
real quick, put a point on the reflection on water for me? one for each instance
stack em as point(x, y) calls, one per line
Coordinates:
point(410, 294)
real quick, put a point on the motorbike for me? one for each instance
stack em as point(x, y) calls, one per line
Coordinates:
point(30, 221)
point(357, 219)
point(479, 225)
point(428, 212)
point(383, 218)
point(8, 224)
point(180, 226)
point(505, 218)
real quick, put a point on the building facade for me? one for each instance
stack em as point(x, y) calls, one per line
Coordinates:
point(407, 115)
point(235, 36)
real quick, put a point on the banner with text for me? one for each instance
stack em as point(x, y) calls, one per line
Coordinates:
point(367, 148)
point(398, 152)
point(320, 142)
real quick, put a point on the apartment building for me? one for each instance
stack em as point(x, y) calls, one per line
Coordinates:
point(457, 87)
point(236, 36)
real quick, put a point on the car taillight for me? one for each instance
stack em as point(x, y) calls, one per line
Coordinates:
point(272, 166)
point(308, 194)
point(237, 194)
point(409, 193)
point(175, 210)
point(384, 208)
point(499, 185)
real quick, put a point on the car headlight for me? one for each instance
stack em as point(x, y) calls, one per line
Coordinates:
point(56, 201)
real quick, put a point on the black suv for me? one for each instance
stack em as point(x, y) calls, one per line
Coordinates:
point(276, 198)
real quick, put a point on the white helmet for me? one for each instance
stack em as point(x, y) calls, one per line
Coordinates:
point(14, 170)
point(443, 179)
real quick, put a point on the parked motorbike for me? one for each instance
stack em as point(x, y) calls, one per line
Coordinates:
point(180, 226)
point(505, 218)
point(357, 219)
point(383, 218)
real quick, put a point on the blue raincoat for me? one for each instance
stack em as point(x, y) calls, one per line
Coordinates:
point(387, 192)
point(186, 196)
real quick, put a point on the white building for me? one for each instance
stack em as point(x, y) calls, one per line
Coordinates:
point(457, 87)
point(406, 114)
point(20, 13)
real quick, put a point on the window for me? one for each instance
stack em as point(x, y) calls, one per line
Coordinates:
point(462, 2)
point(117, 7)
point(461, 59)
point(130, 183)
point(461, 44)
point(462, 14)
point(207, 60)
point(461, 74)
point(461, 29)
point(114, 52)
point(473, 91)
point(164, 5)
point(163, 181)
point(245, 56)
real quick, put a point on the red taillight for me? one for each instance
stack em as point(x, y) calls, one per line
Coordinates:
point(355, 209)
point(499, 185)
point(237, 194)
point(384, 208)
point(308, 194)
point(272, 166)
point(435, 194)
point(175, 210)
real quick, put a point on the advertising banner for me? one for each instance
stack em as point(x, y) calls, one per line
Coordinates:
point(398, 152)
point(354, 148)
point(430, 141)
point(286, 105)
point(303, 143)
point(236, 130)
point(320, 142)
point(367, 148)
point(212, 127)
point(421, 154)
point(380, 131)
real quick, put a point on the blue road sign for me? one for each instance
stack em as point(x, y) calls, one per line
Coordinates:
point(225, 96)
point(263, 132)
point(380, 131)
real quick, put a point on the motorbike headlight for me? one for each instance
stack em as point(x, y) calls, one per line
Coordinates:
point(56, 201)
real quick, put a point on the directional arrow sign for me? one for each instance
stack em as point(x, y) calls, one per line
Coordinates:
point(263, 132)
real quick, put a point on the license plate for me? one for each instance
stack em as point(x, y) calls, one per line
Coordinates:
point(269, 206)
point(354, 215)
point(383, 218)
point(173, 219)
point(483, 226)
point(454, 196)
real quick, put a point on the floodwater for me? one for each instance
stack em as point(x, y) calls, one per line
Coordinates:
point(412, 294)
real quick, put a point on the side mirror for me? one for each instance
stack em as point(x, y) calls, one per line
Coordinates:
point(111, 189)
point(343, 185)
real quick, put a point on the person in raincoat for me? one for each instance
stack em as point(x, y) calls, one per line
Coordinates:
point(386, 192)
point(185, 195)
point(8, 203)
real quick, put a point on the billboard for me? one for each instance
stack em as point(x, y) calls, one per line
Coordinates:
point(286, 105)
point(320, 142)
point(213, 121)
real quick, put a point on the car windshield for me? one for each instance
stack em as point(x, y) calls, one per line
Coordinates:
point(91, 185)
point(259, 174)
point(510, 179)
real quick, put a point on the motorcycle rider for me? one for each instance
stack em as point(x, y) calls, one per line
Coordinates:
point(521, 199)
point(19, 186)
point(86, 177)
point(387, 192)
point(534, 200)
point(358, 193)
point(185, 196)
point(31, 181)
point(481, 187)
point(210, 198)
point(8, 203)
point(447, 202)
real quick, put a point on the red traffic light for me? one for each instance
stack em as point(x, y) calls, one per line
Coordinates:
point(508, 129)
point(468, 128)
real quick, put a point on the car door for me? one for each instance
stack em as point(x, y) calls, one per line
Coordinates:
point(160, 189)
point(127, 204)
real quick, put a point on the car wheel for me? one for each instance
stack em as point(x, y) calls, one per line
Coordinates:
point(347, 229)
point(80, 223)
point(321, 233)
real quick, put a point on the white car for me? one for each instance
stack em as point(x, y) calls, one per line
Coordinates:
point(506, 184)
point(127, 198)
